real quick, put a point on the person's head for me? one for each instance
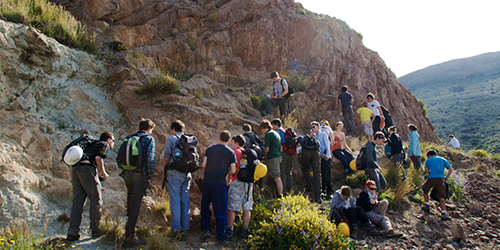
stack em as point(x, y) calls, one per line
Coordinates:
point(225, 136)
point(346, 192)
point(370, 97)
point(246, 128)
point(146, 125)
point(339, 125)
point(392, 129)
point(177, 126)
point(275, 75)
point(239, 140)
point(371, 186)
point(379, 138)
point(364, 103)
point(276, 123)
point(412, 127)
point(451, 136)
point(265, 125)
point(324, 123)
point(109, 138)
point(315, 127)
point(344, 88)
point(431, 153)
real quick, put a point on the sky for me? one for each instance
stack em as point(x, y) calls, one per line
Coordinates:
point(412, 35)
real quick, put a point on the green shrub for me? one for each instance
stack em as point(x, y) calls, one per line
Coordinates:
point(456, 185)
point(255, 101)
point(391, 174)
point(481, 153)
point(357, 180)
point(291, 222)
point(416, 177)
point(495, 157)
point(422, 104)
point(389, 196)
point(298, 81)
point(113, 227)
point(403, 187)
point(160, 83)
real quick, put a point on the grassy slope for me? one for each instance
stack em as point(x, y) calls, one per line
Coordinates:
point(462, 99)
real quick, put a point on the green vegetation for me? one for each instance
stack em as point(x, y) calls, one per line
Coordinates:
point(356, 180)
point(52, 20)
point(422, 104)
point(292, 222)
point(481, 153)
point(297, 80)
point(160, 83)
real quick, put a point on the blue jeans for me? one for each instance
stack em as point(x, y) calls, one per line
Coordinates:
point(178, 188)
point(217, 195)
point(345, 157)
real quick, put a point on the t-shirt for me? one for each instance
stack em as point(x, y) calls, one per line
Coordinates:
point(273, 142)
point(219, 158)
point(99, 148)
point(373, 106)
point(345, 98)
point(281, 132)
point(364, 114)
point(436, 166)
point(455, 143)
point(278, 88)
point(326, 129)
point(238, 153)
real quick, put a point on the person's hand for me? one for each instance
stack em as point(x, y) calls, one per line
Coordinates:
point(105, 176)
point(275, 97)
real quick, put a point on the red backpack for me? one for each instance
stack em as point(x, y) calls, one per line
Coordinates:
point(290, 145)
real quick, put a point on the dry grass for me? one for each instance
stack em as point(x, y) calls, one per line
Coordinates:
point(289, 121)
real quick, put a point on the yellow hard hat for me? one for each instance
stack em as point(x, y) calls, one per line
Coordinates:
point(344, 228)
point(352, 165)
point(260, 171)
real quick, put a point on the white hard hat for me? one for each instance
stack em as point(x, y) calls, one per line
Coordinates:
point(73, 155)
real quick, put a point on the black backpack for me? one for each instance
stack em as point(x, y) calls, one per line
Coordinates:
point(361, 160)
point(131, 154)
point(290, 145)
point(291, 90)
point(84, 142)
point(185, 156)
point(310, 143)
point(248, 162)
point(256, 144)
point(387, 117)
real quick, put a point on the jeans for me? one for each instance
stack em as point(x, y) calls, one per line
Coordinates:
point(281, 102)
point(217, 195)
point(326, 176)
point(136, 184)
point(349, 119)
point(286, 171)
point(376, 176)
point(311, 157)
point(344, 156)
point(178, 188)
point(85, 183)
point(376, 124)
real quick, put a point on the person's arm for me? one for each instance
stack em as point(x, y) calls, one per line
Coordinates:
point(150, 157)
point(100, 165)
point(346, 147)
point(450, 170)
point(285, 91)
point(369, 155)
point(340, 105)
point(204, 163)
point(232, 169)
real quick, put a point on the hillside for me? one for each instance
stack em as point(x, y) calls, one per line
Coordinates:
point(461, 96)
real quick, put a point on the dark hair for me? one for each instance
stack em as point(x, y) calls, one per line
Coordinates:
point(105, 136)
point(225, 135)
point(265, 124)
point(276, 121)
point(315, 123)
point(344, 88)
point(240, 140)
point(392, 128)
point(178, 126)
point(345, 190)
point(370, 95)
point(412, 127)
point(364, 103)
point(378, 135)
point(145, 124)
point(274, 74)
point(451, 135)
point(431, 153)
point(247, 127)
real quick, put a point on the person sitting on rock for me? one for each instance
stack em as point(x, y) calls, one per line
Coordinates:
point(280, 89)
point(343, 203)
point(375, 209)
point(340, 148)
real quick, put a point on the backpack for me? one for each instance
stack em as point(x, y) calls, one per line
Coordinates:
point(255, 144)
point(291, 90)
point(311, 143)
point(290, 145)
point(387, 117)
point(185, 156)
point(131, 154)
point(361, 160)
point(84, 142)
point(248, 162)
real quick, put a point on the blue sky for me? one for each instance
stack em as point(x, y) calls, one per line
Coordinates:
point(411, 35)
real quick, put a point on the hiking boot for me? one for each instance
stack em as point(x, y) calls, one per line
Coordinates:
point(205, 235)
point(445, 217)
point(426, 208)
point(372, 231)
point(131, 242)
point(72, 237)
point(318, 200)
point(98, 233)
point(185, 235)
point(354, 233)
point(244, 233)
point(392, 234)
point(176, 234)
point(229, 233)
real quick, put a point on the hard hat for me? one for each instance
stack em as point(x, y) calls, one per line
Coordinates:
point(344, 228)
point(352, 165)
point(260, 171)
point(73, 155)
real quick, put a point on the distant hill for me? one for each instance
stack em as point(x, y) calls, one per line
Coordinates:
point(462, 98)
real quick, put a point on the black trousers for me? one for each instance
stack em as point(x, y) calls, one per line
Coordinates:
point(355, 214)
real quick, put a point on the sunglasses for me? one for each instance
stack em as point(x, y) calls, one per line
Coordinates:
point(372, 189)
point(313, 126)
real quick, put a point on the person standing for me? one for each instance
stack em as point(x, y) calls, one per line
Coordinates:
point(345, 104)
point(310, 155)
point(286, 159)
point(434, 167)
point(178, 184)
point(397, 154)
point(373, 170)
point(367, 118)
point(340, 148)
point(325, 128)
point(326, 160)
point(218, 163)
point(85, 183)
point(374, 106)
point(414, 147)
point(453, 141)
point(272, 147)
point(277, 97)
point(137, 181)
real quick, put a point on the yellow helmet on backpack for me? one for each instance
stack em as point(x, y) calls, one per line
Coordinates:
point(260, 171)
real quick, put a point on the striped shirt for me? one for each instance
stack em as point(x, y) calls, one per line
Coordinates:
point(148, 142)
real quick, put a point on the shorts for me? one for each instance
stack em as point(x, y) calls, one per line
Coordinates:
point(438, 184)
point(273, 167)
point(240, 196)
point(367, 128)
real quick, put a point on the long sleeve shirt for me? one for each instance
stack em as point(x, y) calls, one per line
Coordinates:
point(371, 156)
point(148, 143)
point(414, 145)
point(324, 146)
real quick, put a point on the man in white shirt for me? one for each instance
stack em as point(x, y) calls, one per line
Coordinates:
point(453, 142)
point(374, 106)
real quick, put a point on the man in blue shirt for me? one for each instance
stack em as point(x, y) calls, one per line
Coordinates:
point(434, 166)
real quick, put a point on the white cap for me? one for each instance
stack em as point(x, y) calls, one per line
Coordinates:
point(73, 155)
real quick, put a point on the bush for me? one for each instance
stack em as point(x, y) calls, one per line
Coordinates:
point(255, 102)
point(160, 83)
point(389, 196)
point(416, 177)
point(457, 184)
point(391, 174)
point(403, 187)
point(113, 227)
point(496, 157)
point(291, 222)
point(422, 104)
point(481, 153)
point(357, 180)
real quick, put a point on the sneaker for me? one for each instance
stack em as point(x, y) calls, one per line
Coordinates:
point(244, 233)
point(133, 242)
point(426, 208)
point(205, 235)
point(354, 233)
point(318, 200)
point(185, 235)
point(372, 231)
point(392, 234)
point(445, 217)
point(72, 237)
point(229, 233)
point(98, 233)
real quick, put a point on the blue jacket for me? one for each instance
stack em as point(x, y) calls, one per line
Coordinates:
point(414, 146)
